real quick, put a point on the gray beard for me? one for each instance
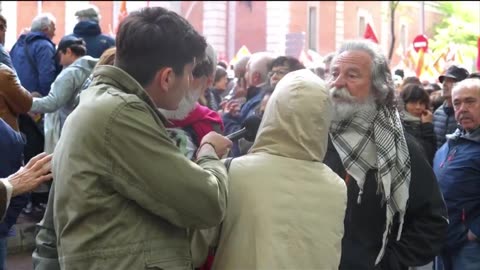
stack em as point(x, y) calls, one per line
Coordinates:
point(187, 104)
point(347, 110)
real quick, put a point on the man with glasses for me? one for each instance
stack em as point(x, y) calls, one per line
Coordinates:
point(281, 66)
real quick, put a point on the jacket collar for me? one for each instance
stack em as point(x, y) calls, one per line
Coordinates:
point(123, 81)
point(460, 133)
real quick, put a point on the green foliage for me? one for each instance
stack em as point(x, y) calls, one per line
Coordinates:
point(460, 26)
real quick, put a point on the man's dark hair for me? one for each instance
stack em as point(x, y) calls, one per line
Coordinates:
point(474, 75)
point(413, 92)
point(219, 74)
point(78, 48)
point(153, 38)
point(3, 20)
point(223, 64)
point(411, 79)
point(203, 68)
point(292, 63)
point(400, 73)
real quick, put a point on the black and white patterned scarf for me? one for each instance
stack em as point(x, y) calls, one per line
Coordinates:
point(383, 128)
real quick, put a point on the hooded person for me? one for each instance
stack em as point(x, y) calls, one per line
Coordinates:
point(286, 208)
point(192, 121)
point(88, 28)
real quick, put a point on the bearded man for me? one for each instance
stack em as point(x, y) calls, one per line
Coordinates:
point(192, 121)
point(396, 217)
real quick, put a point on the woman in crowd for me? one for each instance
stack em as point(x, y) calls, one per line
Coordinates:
point(60, 102)
point(417, 118)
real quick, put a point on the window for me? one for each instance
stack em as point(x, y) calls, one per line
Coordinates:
point(312, 28)
point(403, 37)
point(361, 25)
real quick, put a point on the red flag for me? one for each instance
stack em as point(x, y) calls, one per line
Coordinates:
point(478, 56)
point(122, 14)
point(370, 34)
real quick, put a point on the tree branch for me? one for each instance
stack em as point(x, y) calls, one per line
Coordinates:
point(393, 7)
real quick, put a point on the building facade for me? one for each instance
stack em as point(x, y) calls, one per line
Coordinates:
point(283, 27)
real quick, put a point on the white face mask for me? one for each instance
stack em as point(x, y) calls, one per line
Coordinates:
point(187, 104)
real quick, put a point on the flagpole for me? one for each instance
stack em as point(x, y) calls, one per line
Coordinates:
point(422, 17)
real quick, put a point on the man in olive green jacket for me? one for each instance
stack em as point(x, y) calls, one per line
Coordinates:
point(124, 193)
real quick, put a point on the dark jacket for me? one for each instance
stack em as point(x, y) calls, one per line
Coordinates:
point(444, 123)
point(11, 159)
point(423, 133)
point(214, 98)
point(96, 42)
point(457, 166)
point(425, 224)
point(234, 123)
point(41, 49)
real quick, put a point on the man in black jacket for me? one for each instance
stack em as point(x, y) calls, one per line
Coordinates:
point(396, 216)
point(444, 120)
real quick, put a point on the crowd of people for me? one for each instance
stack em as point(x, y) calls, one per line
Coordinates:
point(351, 167)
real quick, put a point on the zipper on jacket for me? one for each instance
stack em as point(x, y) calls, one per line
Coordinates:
point(449, 157)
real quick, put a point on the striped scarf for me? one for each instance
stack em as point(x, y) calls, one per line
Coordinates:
point(381, 127)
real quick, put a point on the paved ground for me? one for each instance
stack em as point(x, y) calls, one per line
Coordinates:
point(20, 246)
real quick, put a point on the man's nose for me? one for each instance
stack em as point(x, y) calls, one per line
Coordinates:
point(463, 107)
point(338, 82)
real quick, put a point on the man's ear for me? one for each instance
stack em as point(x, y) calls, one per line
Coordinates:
point(165, 78)
point(256, 77)
point(210, 80)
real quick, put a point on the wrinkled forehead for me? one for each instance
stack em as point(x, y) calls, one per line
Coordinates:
point(352, 59)
point(465, 91)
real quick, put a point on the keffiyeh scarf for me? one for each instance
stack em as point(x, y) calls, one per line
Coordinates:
point(383, 128)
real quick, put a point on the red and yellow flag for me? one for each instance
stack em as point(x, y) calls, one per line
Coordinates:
point(420, 62)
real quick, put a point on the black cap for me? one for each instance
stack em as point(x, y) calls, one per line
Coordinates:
point(68, 41)
point(455, 72)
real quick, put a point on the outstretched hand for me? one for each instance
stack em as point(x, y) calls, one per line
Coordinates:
point(36, 172)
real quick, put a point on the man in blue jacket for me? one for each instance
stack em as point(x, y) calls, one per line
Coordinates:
point(33, 56)
point(88, 29)
point(11, 159)
point(257, 82)
point(457, 167)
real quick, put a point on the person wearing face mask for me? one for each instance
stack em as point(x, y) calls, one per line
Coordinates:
point(192, 121)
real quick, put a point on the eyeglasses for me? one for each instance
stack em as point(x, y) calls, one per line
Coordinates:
point(278, 72)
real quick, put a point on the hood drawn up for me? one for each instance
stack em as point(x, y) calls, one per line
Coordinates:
point(297, 118)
